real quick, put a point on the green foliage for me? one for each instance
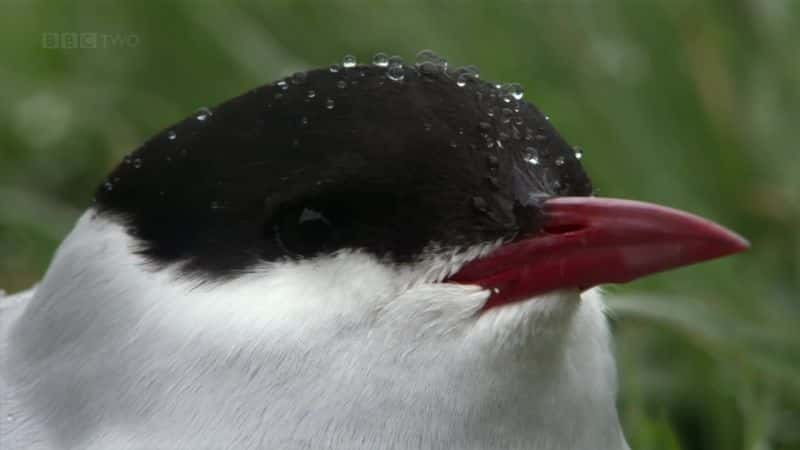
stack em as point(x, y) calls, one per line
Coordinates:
point(693, 104)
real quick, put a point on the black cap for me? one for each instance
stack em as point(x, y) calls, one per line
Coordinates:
point(391, 161)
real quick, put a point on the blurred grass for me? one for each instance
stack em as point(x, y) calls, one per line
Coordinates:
point(691, 104)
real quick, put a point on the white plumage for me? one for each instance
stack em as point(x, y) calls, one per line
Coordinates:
point(342, 351)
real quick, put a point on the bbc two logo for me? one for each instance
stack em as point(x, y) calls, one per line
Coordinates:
point(74, 40)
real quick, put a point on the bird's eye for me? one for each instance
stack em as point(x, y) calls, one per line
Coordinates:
point(303, 230)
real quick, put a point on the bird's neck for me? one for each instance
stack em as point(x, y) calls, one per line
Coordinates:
point(549, 383)
point(169, 369)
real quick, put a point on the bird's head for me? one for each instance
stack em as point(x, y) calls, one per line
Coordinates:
point(365, 184)
point(388, 222)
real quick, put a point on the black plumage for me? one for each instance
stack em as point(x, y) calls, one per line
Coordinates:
point(350, 159)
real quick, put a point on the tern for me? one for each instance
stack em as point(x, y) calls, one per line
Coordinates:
point(371, 257)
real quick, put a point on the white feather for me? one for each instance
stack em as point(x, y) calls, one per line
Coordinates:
point(341, 352)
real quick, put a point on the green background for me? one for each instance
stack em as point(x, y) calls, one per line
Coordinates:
point(693, 104)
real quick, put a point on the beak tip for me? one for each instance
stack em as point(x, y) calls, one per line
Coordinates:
point(737, 243)
point(726, 241)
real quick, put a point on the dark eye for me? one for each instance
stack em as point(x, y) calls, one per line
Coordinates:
point(303, 231)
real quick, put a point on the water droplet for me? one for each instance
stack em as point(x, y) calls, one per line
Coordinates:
point(341, 84)
point(380, 59)
point(282, 84)
point(311, 93)
point(335, 68)
point(453, 144)
point(396, 61)
point(547, 118)
point(499, 144)
point(480, 203)
point(428, 68)
point(303, 121)
point(349, 61)
point(493, 161)
point(429, 63)
point(559, 161)
point(426, 126)
point(127, 159)
point(541, 137)
point(203, 114)
point(465, 74)
point(215, 205)
point(171, 135)
point(514, 90)
point(108, 186)
point(299, 78)
point(329, 103)
point(395, 72)
point(429, 56)
point(578, 152)
point(506, 113)
point(531, 156)
point(137, 163)
point(484, 126)
point(472, 70)
point(490, 113)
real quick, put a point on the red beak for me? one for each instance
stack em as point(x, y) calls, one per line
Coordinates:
point(587, 241)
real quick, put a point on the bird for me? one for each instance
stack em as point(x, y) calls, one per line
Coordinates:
point(360, 256)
